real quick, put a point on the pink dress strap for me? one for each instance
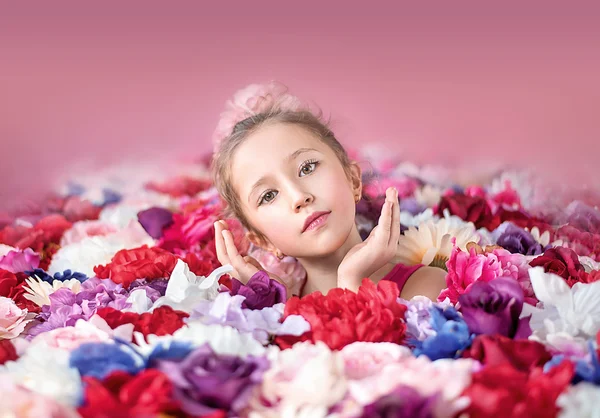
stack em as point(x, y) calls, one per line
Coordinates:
point(400, 274)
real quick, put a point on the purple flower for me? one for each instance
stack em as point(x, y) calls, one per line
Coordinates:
point(517, 240)
point(154, 220)
point(494, 308)
point(260, 291)
point(20, 260)
point(205, 381)
point(582, 216)
point(402, 402)
point(154, 289)
point(412, 206)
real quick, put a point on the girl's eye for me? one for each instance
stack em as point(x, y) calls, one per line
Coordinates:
point(308, 167)
point(267, 197)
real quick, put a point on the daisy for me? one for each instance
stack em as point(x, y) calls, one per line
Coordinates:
point(431, 242)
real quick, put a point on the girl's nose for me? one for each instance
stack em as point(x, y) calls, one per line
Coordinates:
point(303, 200)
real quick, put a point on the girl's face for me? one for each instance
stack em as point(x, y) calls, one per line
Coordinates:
point(282, 174)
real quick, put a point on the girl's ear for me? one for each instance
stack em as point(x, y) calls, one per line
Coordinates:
point(261, 242)
point(356, 178)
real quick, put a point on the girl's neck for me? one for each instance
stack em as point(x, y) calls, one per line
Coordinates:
point(321, 272)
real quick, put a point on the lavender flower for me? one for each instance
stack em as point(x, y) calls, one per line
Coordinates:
point(205, 382)
point(517, 240)
point(154, 220)
point(402, 402)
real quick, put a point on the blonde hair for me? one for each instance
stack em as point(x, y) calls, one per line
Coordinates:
point(221, 163)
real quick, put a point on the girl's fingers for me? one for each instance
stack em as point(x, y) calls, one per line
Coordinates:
point(220, 244)
point(385, 220)
point(395, 234)
point(244, 269)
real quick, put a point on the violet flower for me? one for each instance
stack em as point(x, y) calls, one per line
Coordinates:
point(205, 382)
point(154, 220)
point(494, 308)
point(517, 240)
point(402, 402)
point(260, 292)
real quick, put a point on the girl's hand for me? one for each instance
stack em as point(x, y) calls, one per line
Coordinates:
point(244, 267)
point(377, 250)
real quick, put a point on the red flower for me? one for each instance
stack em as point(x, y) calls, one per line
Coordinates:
point(495, 350)
point(502, 391)
point(164, 320)
point(122, 395)
point(75, 209)
point(523, 220)
point(561, 261)
point(7, 351)
point(582, 242)
point(471, 209)
point(11, 286)
point(343, 317)
point(138, 263)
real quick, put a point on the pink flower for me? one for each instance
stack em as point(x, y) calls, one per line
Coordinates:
point(363, 359)
point(406, 186)
point(465, 268)
point(507, 198)
point(18, 261)
point(288, 267)
point(85, 229)
point(249, 101)
point(12, 319)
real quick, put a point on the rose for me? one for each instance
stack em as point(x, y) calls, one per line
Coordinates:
point(206, 381)
point(150, 393)
point(469, 208)
point(502, 391)
point(494, 350)
point(561, 261)
point(154, 220)
point(342, 317)
point(12, 319)
point(517, 240)
point(494, 308)
point(138, 263)
point(260, 292)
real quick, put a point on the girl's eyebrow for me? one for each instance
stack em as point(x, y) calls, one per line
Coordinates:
point(291, 157)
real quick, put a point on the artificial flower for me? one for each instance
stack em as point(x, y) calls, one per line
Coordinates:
point(13, 320)
point(99, 359)
point(402, 402)
point(579, 401)
point(19, 261)
point(85, 229)
point(260, 292)
point(517, 240)
point(8, 351)
point(473, 209)
point(154, 220)
point(288, 268)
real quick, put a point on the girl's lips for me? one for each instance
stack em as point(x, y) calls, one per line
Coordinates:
point(318, 222)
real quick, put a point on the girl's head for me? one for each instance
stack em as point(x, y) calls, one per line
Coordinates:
point(280, 164)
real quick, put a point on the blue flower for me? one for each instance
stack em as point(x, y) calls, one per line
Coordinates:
point(65, 275)
point(170, 350)
point(585, 371)
point(100, 359)
point(452, 335)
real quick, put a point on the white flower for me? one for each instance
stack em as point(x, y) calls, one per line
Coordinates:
point(580, 401)
point(39, 291)
point(428, 195)
point(46, 370)
point(222, 339)
point(542, 239)
point(5, 249)
point(303, 381)
point(12, 319)
point(84, 255)
point(408, 219)
point(573, 312)
point(431, 242)
point(185, 289)
point(589, 263)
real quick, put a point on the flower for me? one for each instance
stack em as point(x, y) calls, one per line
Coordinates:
point(402, 402)
point(451, 337)
point(85, 229)
point(363, 359)
point(179, 186)
point(287, 268)
point(260, 292)
point(431, 242)
point(100, 359)
point(527, 394)
point(205, 382)
point(517, 240)
point(249, 101)
point(342, 317)
point(418, 317)
point(473, 209)
point(164, 320)
point(568, 313)
point(154, 220)
point(305, 380)
point(227, 310)
point(582, 216)
point(12, 319)
point(494, 308)
point(18, 261)
point(493, 350)
point(138, 263)
point(561, 261)
point(579, 401)
point(148, 393)
point(7, 351)
point(39, 291)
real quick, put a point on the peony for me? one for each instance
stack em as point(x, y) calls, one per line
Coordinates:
point(12, 319)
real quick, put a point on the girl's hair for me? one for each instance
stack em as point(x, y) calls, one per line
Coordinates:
point(277, 111)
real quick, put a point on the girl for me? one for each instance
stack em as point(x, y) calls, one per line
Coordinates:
point(291, 184)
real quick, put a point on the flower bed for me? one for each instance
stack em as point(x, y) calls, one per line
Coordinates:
point(113, 304)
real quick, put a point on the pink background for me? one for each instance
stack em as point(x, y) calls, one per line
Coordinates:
point(449, 82)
